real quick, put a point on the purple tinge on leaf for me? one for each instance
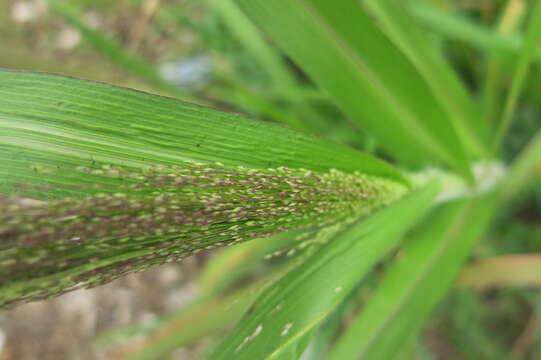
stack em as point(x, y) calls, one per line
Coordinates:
point(164, 214)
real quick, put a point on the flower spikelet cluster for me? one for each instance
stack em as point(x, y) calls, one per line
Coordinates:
point(163, 214)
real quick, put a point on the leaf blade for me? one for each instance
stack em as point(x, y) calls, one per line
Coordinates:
point(450, 92)
point(79, 122)
point(296, 304)
point(369, 78)
point(426, 267)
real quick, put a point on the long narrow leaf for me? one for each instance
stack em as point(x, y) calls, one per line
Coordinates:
point(447, 88)
point(510, 20)
point(524, 61)
point(344, 51)
point(457, 27)
point(268, 58)
point(117, 167)
point(423, 272)
point(299, 301)
point(49, 122)
point(234, 263)
point(523, 169)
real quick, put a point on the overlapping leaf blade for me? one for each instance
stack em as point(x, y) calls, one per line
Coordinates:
point(61, 132)
point(299, 301)
point(447, 88)
point(342, 50)
point(522, 66)
point(454, 26)
point(523, 171)
point(57, 123)
point(416, 282)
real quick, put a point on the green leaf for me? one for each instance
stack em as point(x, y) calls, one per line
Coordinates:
point(343, 50)
point(283, 85)
point(510, 20)
point(299, 301)
point(529, 48)
point(297, 348)
point(50, 122)
point(231, 264)
point(416, 44)
point(460, 28)
point(246, 32)
point(457, 27)
point(416, 282)
point(149, 201)
point(523, 169)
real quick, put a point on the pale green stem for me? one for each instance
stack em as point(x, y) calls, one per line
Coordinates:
point(487, 174)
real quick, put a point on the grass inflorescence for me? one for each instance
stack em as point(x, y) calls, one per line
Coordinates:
point(166, 213)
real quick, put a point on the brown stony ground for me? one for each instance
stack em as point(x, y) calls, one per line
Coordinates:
point(63, 328)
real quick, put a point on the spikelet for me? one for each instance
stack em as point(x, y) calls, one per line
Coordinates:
point(165, 214)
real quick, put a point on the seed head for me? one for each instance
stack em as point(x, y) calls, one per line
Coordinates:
point(166, 213)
